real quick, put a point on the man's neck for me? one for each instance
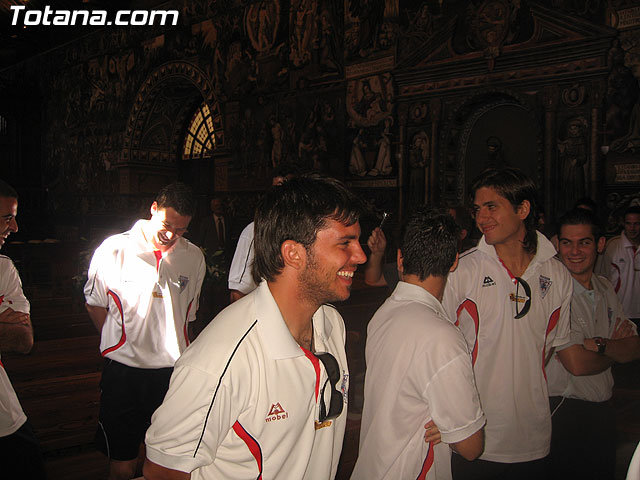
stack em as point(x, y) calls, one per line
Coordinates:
point(433, 285)
point(584, 279)
point(514, 257)
point(296, 312)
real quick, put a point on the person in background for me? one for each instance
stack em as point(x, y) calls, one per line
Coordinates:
point(583, 419)
point(214, 232)
point(20, 451)
point(621, 263)
point(417, 362)
point(262, 392)
point(142, 293)
point(241, 280)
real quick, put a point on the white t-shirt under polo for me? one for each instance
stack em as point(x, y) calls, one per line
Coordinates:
point(418, 369)
point(240, 273)
point(150, 300)
point(242, 399)
point(593, 314)
point(621, 265)
point(507, 353)
point(11, 296)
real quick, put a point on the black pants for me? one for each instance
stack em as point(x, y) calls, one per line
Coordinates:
point(583, 439)
point(462, 469)
point(21, 456)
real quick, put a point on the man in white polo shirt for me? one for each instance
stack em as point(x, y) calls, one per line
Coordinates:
point(418, 366)
point(620, 263)
point(510, 296)
point(584, 424)
point(262, 392)
point(141, 294)
point(20, 453)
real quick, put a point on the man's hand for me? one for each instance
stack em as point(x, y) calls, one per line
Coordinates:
point(10, 316)
point(622, 329)
point(377, 242)
point(432, 434)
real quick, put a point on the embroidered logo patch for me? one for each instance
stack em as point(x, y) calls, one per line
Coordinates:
point(487, 282)
point(545, 283)
point(183, 282)
point(276, 413)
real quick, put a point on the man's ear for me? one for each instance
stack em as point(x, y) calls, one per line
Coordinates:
point(455, 263)
point(154, 208)
point(293, 254)
point(524, 209)
point(600, 245)
point(399, 260)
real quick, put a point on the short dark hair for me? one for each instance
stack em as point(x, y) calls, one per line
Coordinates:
point(7, 190)
point(581, 216)
point(297, 210)
point(631, 210)
point(178, 196)
point(586, 202)
point(514, 185)
point(284, 170)
point(429, 243)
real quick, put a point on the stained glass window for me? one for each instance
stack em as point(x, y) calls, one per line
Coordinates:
point(200, 140)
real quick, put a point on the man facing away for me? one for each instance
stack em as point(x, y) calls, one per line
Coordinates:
point(583, 420)
point(418, 366)
point(141, 294)
point(20, 453)
point(262, 392)
point(510, 297)
point(621, 263)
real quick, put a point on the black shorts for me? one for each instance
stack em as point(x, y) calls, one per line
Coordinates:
point(128, 398)
point(21, 456)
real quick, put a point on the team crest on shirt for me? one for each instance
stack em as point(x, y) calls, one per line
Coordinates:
point(276, 412)
point(545, 283)
point(183, 282)
point(488, 282)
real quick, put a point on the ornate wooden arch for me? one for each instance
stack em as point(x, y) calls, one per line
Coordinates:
point(140, 111)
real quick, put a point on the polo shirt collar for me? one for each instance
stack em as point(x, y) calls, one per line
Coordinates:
point(277, 339)
point(544, 252)
point(626, 243)
point(411, 292)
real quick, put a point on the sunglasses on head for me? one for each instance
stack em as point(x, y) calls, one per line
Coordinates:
point(333, 377)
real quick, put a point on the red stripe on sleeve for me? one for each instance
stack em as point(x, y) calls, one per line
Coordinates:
point(123, 337)
point(553, 322)
point(427, 464)
point(252, 445)
point(472, 309)
point(186, 323)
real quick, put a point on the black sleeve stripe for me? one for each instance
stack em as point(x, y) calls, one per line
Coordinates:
point(246, 260)
point(226, 367)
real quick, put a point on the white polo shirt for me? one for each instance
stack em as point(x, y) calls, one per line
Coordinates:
point(240, 277)
point(150, 300)
point(621, 265)
point(12, 416)
point(593, 314)
point(242, 402)
point(507, 353)
point(418, 369)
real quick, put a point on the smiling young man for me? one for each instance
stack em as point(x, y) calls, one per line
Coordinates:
point(141, 294)
point(583, 420)
point(510, 297)
point(262, 392)
point(621, 263)
point(20, 453)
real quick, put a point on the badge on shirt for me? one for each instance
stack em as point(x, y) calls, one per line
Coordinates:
point(545, 283)
point(183, 282)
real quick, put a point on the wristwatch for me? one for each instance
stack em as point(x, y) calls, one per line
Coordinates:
point(601, 343)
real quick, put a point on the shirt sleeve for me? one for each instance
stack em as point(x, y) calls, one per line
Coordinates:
point(95, 290)
point(11, 293)
point(199, 279)
point(240, 273)
point(197, 413)
point(453, 398)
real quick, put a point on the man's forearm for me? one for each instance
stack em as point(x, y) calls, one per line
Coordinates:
point(373, 271)
point(98, 316)
point(16, 337)
point(623, 350)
